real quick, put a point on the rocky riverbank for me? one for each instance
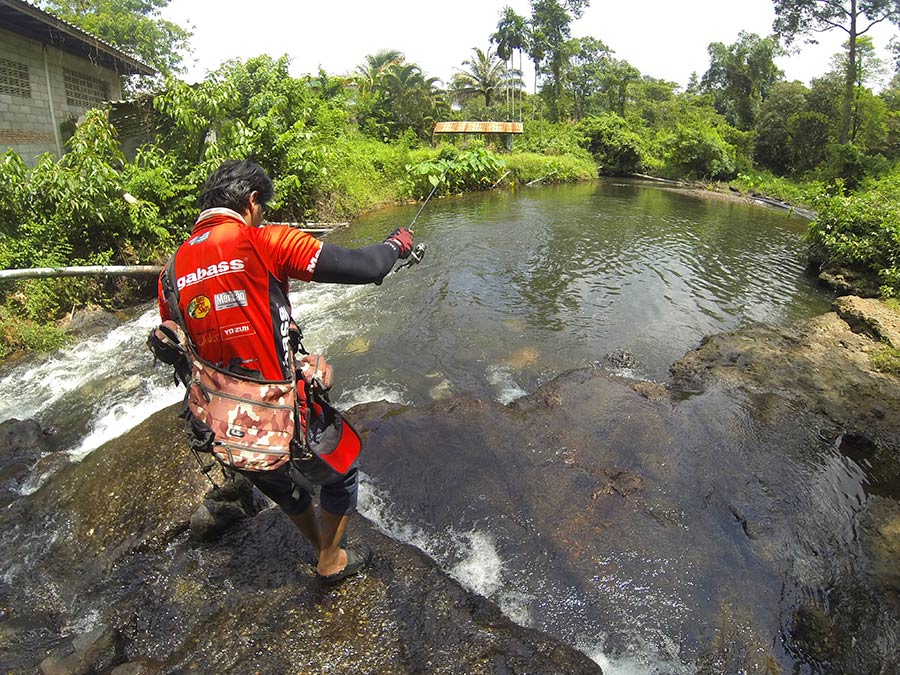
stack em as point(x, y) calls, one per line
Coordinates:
point(744, 516)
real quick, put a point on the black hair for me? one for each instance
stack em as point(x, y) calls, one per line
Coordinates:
point(230, 186)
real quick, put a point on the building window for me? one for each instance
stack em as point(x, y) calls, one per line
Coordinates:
point(14, 79)
point(84, 91)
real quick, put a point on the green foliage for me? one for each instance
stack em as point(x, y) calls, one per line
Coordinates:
point(473, 168)
point(525, 167)
point(777, 187)
point(135, 26)
point(862, 231)
point(551, 138)
point(698, 151)
point(485, 77)
point(396, 97)
point(740, 77)
point(24, 335)
point(615, 147)
point(72, 209)
point(887, 360)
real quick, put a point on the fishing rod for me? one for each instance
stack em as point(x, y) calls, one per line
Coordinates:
point(418, 252)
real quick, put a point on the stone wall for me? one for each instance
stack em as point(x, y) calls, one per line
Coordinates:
point(76, 84)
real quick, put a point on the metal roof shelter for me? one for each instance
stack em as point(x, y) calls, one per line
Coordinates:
point(23, 18)
point(478, 128)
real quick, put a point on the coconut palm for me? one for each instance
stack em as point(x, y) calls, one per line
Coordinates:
point(485, 75)
point(376, 65)
point(512, 36)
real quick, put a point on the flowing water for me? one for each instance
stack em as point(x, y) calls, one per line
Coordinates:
point(515, 289)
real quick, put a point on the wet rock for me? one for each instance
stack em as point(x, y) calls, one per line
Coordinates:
point(821, 365)
point(91, 321)
point(23, 440)
point(87, 653)
point(870, 316)
point(19, 626)
point(137, 667)
point(620, 359)
point(233, 500)
point(617, 481)
point(22, 445)
point(653, 391)
point(815, 635)
point(112, 533)
point(848, 281)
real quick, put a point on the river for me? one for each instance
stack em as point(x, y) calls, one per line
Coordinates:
point(515, 288)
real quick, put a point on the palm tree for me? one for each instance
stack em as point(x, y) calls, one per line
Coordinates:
point(485, 75)
point(511, 37)
point(409, 99)
point(376, 65)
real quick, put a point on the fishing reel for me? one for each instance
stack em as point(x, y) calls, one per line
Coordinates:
point(415, 256)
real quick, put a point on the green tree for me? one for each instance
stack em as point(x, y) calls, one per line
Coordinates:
point(135, 26)
point(618, 76)
point(409, 100)
point(616, 148)
point(774, 143)
point(794, 18)
point(511, 37)
point(484, 76)
point(869, 67)
point(740, 76)
point(551, 29)
point(375, 65)
point(586, 79)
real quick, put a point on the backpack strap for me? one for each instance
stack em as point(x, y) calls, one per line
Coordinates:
point(170, 291)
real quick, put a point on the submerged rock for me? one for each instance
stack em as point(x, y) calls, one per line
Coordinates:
point(23, 444)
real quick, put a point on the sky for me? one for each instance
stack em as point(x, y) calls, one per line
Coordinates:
point(661, 38)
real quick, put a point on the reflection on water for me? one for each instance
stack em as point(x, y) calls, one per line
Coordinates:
point(545, 280)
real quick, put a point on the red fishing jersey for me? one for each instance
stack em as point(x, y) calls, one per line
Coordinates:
point(232, 288)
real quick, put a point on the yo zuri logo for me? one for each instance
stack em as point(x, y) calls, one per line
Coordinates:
point(199, 307)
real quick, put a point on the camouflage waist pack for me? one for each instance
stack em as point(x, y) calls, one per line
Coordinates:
point(252, 423)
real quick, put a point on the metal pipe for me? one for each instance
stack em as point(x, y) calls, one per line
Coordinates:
point(84, 271)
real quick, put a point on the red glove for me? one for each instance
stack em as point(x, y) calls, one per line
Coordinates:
point(401, 240)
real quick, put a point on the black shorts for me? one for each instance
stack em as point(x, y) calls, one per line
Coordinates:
point(338, 497)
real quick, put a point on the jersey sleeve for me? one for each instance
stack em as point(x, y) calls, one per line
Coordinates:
point(291, 253)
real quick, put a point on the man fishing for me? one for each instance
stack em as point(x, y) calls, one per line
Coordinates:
point(231, 290)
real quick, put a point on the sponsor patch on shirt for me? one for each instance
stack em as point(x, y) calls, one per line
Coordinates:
point(230, 299)
point(201, 273)
point(237, 330)
point(200, 238)
point(207, 337)
point(199, 307)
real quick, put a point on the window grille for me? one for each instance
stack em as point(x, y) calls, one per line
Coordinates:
point(14, 79)
point(84, 91)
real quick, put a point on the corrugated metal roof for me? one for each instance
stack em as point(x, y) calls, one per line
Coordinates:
point(478, 128)
point(23, 18)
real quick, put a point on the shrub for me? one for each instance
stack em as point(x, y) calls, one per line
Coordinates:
point(862, 231)
point(698, 151)
point(451, 170)
point(18, 334)
point(615, 147)
point(525, 167)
